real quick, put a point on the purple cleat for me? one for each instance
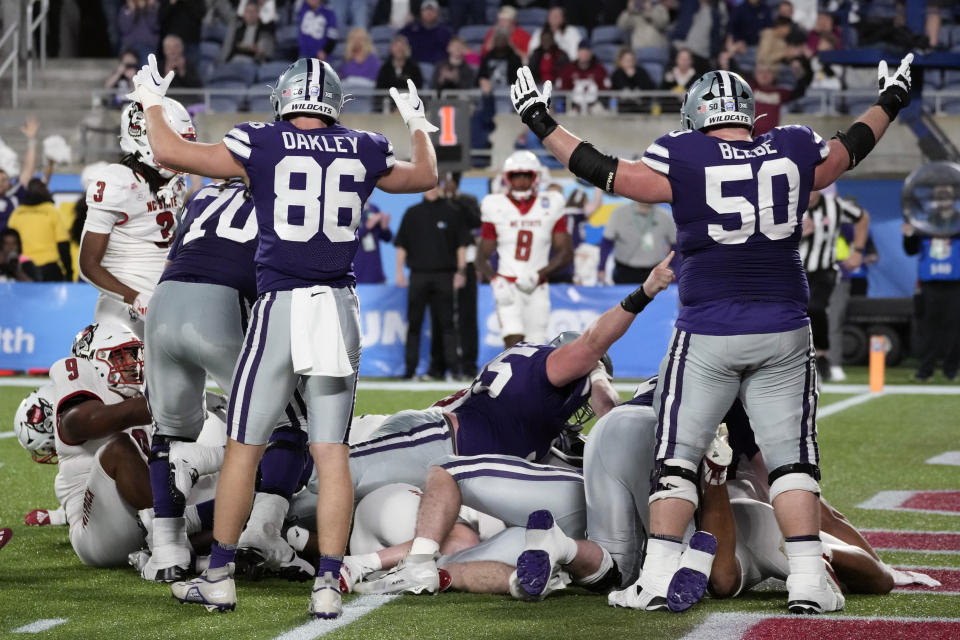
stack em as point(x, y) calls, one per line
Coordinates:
point(689, 583)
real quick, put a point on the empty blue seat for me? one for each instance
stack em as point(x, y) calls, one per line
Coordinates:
point(652, 54)
point(474, 33)
point(605, 34)
point(531, 18)
point(227, 102)
point(606, 52)
point(213, 32)
point(270, 71)
point(288, 45)
point(244, 72)
point(382, 33)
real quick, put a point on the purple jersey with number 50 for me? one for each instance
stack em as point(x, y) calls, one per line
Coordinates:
point(738, 206)
point(309, 187)
point(216, 240)
point(512, 408)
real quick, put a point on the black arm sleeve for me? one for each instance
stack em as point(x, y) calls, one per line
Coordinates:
point(911, 245)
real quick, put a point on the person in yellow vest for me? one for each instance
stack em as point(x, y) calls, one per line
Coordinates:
point(43, 234)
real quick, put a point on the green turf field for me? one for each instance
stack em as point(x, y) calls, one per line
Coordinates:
point(878, 445)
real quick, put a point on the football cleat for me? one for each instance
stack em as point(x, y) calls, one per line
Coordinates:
point(558, 580)
point(417, 573)
point(812, 594)
point(5, 534)
point(541, 557)
point(170, 552)
point(214, 589)
point(635, 597)
point(37, 518)
point(325, 601)
point(689, 583)
point(350, 574)
point(718, 456)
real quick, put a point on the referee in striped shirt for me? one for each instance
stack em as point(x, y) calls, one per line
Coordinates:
point(818, 251)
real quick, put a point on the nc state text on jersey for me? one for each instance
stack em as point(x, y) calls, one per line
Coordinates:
point(732, 153)
point(332, 144)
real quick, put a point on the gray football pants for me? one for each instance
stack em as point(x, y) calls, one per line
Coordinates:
point(773, 374)
point(193, 329)
point(264, 378)
point(617, 463)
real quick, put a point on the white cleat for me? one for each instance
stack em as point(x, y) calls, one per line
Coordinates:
point(558, 581)
point(325, 601)
point(415, 574)
point(351, 572)
point(718, 456)
point(636, 597)
point(811, 594)
point(837, 374)
point(214, 589)
point(170, 551)
point(541, 558)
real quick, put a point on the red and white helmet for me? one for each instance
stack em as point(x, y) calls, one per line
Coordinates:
point(34, 424)
point(133, 131)
point(522, 162)
point(116, 352)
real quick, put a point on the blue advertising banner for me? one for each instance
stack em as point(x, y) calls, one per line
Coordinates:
point(39, 321)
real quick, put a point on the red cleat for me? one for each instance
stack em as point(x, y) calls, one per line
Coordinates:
point(5, 535)
point(37, 518)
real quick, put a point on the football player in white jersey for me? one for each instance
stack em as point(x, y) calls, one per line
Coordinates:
point(131, 220)
point(522, 225)
point(101, 438)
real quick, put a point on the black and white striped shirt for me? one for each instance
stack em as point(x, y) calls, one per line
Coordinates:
point(818, 250)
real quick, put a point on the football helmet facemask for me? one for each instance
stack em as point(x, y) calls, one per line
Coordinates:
point(522, 162)
point(116, 353)
point(585, 413)
point(34, 424)
point(133, 131)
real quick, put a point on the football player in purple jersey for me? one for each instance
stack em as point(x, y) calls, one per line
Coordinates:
point(743, 329)
point(310, 177)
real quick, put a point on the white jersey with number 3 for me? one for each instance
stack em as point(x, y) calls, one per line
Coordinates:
point(79, 378)
point(140, 224)
point(523, 238)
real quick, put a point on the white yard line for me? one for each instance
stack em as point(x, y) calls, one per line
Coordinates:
point(7, 434)
point(842, 405)
point(948, 457)
point(351, 612)
point(39, 625)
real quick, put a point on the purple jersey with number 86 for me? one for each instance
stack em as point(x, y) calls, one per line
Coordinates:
point(738, 205)
point(309, 187)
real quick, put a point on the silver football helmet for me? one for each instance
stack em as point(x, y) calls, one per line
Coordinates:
point(116, 352)
point(308, 87)
point(585, 413)
point(718, 98)
point(133, 131)
point(34, 423)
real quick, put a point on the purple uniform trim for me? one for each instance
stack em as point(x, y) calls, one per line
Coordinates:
point(509, 467)
point(675, 407)
point(247, 370)
point(809, 417)
point(402, 439)
point(668, 376)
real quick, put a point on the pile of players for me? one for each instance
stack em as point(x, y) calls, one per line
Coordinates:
point(483, 491)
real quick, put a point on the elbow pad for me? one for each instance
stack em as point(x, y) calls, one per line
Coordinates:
point(597, 168)
point(858, 141)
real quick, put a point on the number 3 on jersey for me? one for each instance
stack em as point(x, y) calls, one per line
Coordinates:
point(718, 175)
point(300, 185)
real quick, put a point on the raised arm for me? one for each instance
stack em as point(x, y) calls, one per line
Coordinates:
point(631, 179)
point(29, 129)
point(420, 174)
point(849, 148)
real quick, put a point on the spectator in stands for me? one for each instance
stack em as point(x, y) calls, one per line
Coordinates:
point(825, 28)
point(679, 77)
point(250, 40)
point(45, 239)
point(428, 36)
point(184, 19)
point(639, 235)
point(499, 65)
point(14, 266)
point(400, 67)
point(517, 37)
point(548, 59)
point(630, 77)
point(13, 192)
point(584, 77)
point(139, 27)
point(769, 98)
point(566, 36)
point(646, 21)
point(121, 80)
point(700, 28)
point(186, 76)
point(774, 48)
point(359, 59)
point(374, 228)
point(318, 29)
point(267, 9)
point(432, 242)
point(454, 72)
point(356, 13)
point(933, 20)
point(825, 76)
point(746, 22)
point(798, 34)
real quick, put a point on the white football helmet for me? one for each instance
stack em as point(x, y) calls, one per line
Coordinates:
point(34, 423)
point(522, 162)
point(133, 131)
point(116, 353)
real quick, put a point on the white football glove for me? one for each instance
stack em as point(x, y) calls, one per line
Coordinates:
point(528, 281)
point(502, 291)
point(903, 577)
point(524, 93)
point(56, 150)
point(411, 109)
point(140, 303)
point(149, 86)
point(894, 89)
